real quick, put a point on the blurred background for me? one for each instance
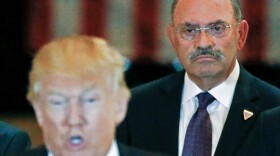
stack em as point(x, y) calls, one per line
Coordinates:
point(134, 27)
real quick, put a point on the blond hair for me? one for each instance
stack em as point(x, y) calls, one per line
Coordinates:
point(76, 56)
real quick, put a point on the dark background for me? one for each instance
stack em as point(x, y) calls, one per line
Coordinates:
point(14, 59)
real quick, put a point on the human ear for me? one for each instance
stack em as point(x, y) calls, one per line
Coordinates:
point(243, 32)
point(121, 107)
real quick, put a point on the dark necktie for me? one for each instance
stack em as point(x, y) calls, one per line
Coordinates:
point(198, 140)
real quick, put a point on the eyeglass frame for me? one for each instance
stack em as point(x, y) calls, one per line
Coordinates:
point(179, 29)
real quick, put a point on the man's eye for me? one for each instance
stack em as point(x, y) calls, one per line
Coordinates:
point(190, 30)
point(218, 28)
point(56, 102)
point(89, 100)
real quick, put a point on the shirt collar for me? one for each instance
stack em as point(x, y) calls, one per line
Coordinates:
point(50, 153)
point(223, 92)
point(114, 151)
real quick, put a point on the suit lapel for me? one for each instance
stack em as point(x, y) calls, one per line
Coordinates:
point(236, 128)
point(168, 112)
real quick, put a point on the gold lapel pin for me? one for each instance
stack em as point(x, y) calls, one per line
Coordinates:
point(247, 114)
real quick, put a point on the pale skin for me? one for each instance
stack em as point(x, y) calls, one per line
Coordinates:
point(207, 71)
point(85, 108)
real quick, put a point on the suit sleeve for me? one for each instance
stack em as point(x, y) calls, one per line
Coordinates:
point(271, 129)
point(20, 141)
point(264, 138)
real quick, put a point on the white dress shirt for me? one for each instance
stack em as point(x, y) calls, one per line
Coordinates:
point(114, 150)
point(218, 109)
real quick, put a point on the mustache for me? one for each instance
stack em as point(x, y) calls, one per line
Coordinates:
point(206, 51)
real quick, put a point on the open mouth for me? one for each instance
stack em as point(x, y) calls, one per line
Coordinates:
point(76, 140)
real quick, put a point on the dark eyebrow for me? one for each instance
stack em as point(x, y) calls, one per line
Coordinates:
point(188, 24)
point(217, 22)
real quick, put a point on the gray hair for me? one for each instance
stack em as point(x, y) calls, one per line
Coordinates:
point(235, 4)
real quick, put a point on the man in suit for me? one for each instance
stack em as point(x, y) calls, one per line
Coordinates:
point(206, 36)
point(12, 139)
point(78, 92)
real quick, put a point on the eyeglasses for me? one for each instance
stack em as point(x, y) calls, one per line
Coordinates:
point(190, 32)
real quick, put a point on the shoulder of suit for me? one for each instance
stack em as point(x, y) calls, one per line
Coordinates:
point(260, 84)
point(171, 79)
point(5, 127)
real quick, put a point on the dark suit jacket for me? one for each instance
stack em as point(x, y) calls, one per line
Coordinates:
point(12, 139)
point(123, 149)
point(264, 139)
point(152, 121)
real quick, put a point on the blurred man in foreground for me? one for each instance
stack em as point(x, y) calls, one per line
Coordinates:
point(79, 96)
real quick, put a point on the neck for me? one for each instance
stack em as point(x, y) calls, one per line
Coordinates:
point(206, 84)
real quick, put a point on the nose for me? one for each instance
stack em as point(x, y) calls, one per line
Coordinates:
point(75, 115)
point(204, 39)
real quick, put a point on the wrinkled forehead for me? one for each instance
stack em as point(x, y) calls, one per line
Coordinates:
point(203, 12)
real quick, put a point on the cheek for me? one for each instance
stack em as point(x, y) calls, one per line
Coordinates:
point(101, 117)
point(52, 121)
point(182, 45)
point(183, 48)
point(101, 127)
point(230, 50)
point(228, 44)
point(52, 128)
